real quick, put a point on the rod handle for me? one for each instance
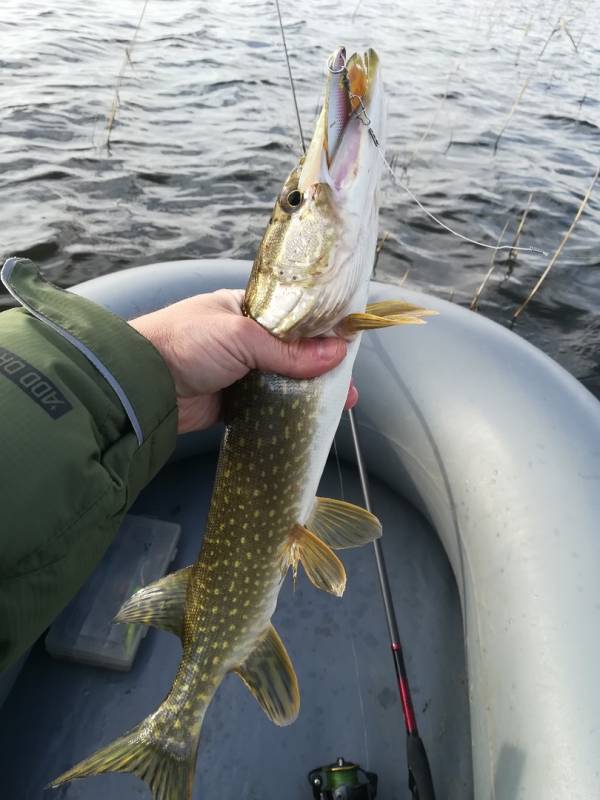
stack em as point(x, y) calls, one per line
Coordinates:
point(420, 781)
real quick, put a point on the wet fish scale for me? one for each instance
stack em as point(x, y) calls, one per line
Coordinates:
point(255, 505)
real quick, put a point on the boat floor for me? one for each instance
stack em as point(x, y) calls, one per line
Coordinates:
point(59, 712)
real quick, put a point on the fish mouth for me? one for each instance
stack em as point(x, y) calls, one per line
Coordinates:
point(315, 259)
point(351, 106)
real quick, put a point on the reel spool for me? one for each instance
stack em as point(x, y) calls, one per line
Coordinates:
point(342, 780)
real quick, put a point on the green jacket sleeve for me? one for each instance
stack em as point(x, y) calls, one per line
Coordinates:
point(87, 417)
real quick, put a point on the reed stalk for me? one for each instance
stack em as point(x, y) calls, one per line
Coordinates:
point(476, 297)
point(559, 249)
point(116, 102)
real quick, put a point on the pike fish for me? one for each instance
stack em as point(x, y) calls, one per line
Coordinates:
point(310, 278)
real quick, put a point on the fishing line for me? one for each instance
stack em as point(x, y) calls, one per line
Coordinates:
point(339, 468)
point(287, 61)
point(531, 250)
point(361, 114)
point(364, 119)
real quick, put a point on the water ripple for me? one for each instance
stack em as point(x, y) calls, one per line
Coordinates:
point(205, 134)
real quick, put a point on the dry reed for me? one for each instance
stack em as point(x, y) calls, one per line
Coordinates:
point(476, 297)
point(560, 25)
point(116, 102)
point(559, 249)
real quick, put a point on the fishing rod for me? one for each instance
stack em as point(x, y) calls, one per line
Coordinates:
point(420, 781)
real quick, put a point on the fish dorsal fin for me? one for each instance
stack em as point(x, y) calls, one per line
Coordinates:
point(160, 604)
point(322, 566)
point(341, 525)
point(270, 676)
point(384, 314)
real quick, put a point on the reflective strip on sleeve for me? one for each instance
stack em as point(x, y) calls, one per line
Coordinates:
point(5, 276)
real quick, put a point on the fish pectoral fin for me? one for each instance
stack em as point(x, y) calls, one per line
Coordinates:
point(383, 315)
point(341, 525)
point(393, 308)
point(160, 604)
point(270, 676)
point(322, 566)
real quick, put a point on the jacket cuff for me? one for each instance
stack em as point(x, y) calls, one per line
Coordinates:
point(135, 371)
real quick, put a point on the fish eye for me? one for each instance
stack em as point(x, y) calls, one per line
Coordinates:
point(294, 198)
point(292, 201)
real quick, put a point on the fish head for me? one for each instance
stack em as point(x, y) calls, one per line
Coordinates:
point(316, 256)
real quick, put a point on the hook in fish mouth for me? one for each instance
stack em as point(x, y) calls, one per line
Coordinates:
point(350, 87)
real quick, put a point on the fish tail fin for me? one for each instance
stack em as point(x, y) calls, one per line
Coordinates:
point(168, 772)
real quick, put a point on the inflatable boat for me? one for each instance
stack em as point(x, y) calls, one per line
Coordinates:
point(484, 462)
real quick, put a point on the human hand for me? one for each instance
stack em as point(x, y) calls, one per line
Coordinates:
point(208, 344)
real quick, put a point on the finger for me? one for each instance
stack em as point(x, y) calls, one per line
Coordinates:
point(228, 299)
point(352, 398)
point(306, 358)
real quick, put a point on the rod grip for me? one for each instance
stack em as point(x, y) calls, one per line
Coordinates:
point(420, 781)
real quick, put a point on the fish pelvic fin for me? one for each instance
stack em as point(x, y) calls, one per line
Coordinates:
point(270, 676)
point(383, 315)
point(160, 604)
point(169, 774)
point(341, 525)
point(323, 568)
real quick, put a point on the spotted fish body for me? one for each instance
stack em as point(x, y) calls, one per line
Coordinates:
point(310, 277)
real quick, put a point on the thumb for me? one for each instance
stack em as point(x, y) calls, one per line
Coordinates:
point(306, 358)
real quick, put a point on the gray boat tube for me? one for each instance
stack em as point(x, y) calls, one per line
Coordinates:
point(500, 448)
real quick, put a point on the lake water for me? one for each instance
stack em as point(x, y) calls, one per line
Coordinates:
point(206, 132)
